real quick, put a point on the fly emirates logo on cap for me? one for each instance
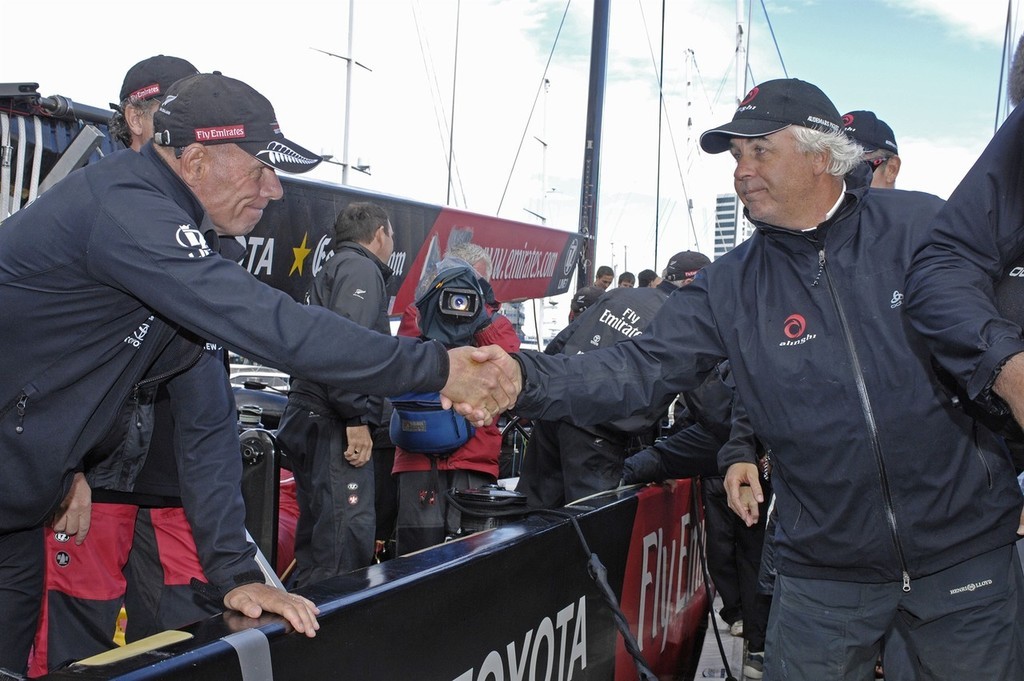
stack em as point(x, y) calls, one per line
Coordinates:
point(221, 132)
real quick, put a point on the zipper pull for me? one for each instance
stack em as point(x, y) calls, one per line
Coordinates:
point(22, 402)
point(135, 399)
point(906, 582)
point(821, 266)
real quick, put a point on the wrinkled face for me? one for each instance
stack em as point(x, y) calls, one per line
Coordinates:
point(773, 178)
point(603, 282)
point(235, 188)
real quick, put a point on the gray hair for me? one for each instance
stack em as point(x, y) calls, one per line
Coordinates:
point(844, 154)
point(472, 253)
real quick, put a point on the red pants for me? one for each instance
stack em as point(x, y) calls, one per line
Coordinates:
point(142, 558)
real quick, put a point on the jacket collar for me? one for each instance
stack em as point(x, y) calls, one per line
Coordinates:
point(177, 190)
point(385, 271)
point(857, 183)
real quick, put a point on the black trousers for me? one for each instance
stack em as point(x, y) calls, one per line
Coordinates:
point(563, 463)
point(734, 561)
point(21, 595)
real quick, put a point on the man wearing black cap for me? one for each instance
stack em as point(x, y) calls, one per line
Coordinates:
point(879, 143)
point(141, 92)
point(895, 508)
point(113, 286)
point(682, 268)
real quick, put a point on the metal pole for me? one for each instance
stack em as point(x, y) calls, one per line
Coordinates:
point(592, 145)
point(348, 91)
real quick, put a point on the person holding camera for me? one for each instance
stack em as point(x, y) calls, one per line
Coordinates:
point(463, 314)
point(325, 430)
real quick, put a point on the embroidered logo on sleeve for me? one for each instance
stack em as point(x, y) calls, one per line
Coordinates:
point(192, 239)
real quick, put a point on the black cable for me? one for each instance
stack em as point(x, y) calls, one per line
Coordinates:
point(599, 573)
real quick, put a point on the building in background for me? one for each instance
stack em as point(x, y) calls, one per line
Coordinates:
point(731, 228)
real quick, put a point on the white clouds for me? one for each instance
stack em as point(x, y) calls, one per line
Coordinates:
point(979, 20)
point(401, 110)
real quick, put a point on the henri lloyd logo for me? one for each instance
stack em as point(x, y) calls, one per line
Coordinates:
point(970, 587)
point(191, 238)
point(220, 132)
point(897, 300)
point(795, 328)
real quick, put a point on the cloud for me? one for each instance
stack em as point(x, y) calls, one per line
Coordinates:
point(978, 20)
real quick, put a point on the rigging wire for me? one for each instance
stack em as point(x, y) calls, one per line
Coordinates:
point(455, 80)
point(1001, 108)
point(671, 136)
point(774, 40)
point(440, 116)
point(661, 112)
point(536, 98)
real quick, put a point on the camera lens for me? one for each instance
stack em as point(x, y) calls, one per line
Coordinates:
point(460, 303)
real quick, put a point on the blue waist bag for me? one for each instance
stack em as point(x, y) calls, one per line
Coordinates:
point(419, 424)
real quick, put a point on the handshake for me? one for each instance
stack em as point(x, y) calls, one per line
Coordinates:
point(482, 383)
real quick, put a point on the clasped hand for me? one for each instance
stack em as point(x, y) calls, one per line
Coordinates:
point(482, 383)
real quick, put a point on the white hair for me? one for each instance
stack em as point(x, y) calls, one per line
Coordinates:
point(844, 154)
point(472, 253)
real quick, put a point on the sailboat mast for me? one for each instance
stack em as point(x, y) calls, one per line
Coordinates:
point(592, 147)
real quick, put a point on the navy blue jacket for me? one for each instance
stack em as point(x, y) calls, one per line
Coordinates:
point(97, 276)
point(878, 475)
point(352, 283)
point(977, 240)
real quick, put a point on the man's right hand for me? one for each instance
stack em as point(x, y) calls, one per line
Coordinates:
point(1009, 385)
point(482, 383)
point(743, 489)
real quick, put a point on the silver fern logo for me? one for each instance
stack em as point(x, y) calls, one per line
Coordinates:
point(281, 154)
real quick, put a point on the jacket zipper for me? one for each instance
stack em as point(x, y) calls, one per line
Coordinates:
point(869, 417)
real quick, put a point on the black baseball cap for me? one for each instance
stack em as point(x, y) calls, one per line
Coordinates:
point(772, 106)
point(870, 131)
point(151, 77)
point(685, 265)
point(211, 108)
point(584, 298)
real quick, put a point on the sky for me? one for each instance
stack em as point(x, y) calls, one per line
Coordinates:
point(930, 68)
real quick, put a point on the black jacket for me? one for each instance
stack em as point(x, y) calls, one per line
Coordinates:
point(878, 475)
point(353, 284)
point(977, 240)
point(98, 276)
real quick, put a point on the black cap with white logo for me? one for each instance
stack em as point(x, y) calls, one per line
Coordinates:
point(211, 108)
point(151, 77)
point(772, 106)
point(870, 131)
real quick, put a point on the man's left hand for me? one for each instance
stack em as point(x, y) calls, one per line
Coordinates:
point(252, 600)
point(359, 445)
point(74, 515)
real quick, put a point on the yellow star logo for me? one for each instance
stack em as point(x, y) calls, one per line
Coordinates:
point(301, 253)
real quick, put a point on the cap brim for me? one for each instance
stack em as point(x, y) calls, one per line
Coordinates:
point(716, 141)
point(283, 154)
